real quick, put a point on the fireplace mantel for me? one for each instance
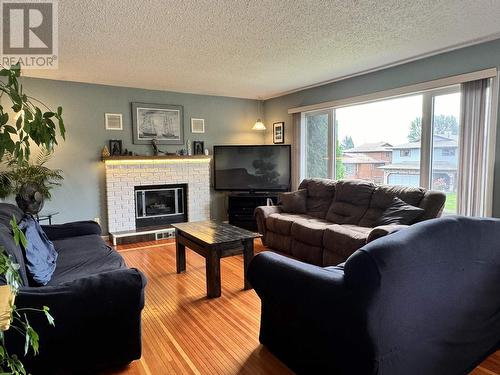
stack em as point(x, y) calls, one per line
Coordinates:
point(158, 158)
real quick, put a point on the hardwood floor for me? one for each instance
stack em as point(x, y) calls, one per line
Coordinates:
point(186, 333)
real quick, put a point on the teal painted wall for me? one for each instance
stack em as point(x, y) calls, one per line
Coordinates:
point(82, 196)
point(481, 56)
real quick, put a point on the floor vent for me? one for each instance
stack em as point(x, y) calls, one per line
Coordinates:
point(170, 233)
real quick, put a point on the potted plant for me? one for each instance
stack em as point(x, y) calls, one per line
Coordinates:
point(29, 181)
point(10, 316)
point(29, 124)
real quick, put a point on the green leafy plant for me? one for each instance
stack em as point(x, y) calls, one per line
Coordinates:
point(29, 123)
point(21, 172)
point(17, 319)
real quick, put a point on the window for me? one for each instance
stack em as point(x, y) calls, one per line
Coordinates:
point(317, 134)
point(445, 133)
point(410, 140)
point(378, 135)
point(350, 169)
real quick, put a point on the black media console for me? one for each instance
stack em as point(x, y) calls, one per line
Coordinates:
point(242, 205)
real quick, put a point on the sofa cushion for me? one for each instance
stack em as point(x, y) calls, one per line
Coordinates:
point(383, 197)
point(294, 202)
point(344, 239)
point(83, 256)
point(7, 211)
point(320, 193)
point(282, 223)
point(7, 242)
point(309, 232)
point(433, 205)
point(73, 229)
point(351, 201)
point(399, 212)
point(307, 253)
point(279, 242)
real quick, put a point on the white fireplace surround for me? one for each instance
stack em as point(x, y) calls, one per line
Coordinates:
point(123, 174)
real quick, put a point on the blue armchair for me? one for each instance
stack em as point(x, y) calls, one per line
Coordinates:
point(425, 300)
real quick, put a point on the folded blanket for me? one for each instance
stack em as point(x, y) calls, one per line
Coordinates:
point(40, 253)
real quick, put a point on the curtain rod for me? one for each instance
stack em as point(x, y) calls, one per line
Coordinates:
point(399, 91)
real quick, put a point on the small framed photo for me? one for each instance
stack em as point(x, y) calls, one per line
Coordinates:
point(279, 132)
point(114, 121)
point(115, 147)
point(197, 125)
point(198, 148)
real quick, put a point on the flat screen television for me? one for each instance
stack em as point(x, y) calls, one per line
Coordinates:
point(252, 168)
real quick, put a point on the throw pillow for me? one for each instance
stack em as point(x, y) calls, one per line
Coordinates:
point(294, 202)
point(40, 253)
point(399, 212)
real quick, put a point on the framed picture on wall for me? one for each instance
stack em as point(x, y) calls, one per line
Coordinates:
point(114, 121)
point(163, 122)
point(278, 132)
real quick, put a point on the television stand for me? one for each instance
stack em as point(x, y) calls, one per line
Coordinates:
point(241, 207)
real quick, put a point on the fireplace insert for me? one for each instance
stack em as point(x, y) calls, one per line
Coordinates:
point(157, 205)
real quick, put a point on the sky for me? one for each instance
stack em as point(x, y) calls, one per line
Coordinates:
point(389, 120)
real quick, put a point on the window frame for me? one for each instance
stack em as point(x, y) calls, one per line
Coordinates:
point(426, 140)
point(331, 141)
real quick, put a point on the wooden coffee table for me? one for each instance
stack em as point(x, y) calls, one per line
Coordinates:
point(213, 241)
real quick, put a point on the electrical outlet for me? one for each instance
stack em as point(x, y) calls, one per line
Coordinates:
point(97, 220)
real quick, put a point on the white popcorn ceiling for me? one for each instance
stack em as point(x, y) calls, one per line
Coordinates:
point(254, 49)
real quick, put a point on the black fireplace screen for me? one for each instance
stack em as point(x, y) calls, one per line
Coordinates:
point(156, 202)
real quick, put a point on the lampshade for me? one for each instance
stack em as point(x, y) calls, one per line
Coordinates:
point(259, 125)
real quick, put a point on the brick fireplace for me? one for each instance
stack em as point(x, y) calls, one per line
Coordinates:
point(125, 176)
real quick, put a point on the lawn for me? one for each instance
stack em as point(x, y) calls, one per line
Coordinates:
point(450, 207)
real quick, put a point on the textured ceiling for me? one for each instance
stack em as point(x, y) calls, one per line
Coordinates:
point(254, 48)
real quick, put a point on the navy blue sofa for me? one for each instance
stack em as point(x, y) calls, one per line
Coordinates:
point(96, 301)
point(425, 300)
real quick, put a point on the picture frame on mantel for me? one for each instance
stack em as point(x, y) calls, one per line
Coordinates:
point(278, 132)
point(115, 147)
point(162, 122)
point(198, 148)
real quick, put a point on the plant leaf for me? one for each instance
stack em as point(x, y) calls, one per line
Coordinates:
point(49, 317)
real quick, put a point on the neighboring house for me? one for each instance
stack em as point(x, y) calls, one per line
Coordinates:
point(405, 166)
point(364, 162)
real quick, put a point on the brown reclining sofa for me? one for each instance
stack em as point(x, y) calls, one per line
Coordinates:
point(329, 220)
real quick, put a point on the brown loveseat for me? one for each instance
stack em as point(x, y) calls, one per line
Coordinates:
point(339, 218)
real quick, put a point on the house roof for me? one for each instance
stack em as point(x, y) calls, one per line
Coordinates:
point(355, 158)
point(371, 147)
point(439, 142)
point(415, 165)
